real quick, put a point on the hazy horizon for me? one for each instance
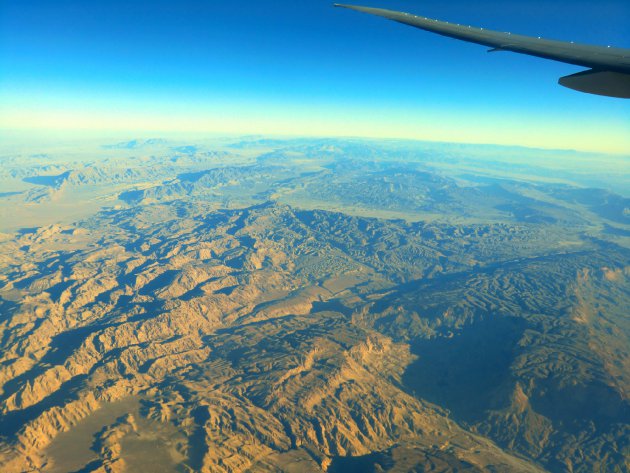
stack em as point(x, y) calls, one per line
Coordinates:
point(304, 69)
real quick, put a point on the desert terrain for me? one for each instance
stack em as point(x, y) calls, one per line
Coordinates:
point(308, 305)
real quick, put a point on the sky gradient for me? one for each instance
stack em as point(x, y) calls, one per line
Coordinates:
point(305, 68)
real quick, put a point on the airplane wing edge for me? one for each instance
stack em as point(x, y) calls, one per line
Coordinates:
point(593, 57)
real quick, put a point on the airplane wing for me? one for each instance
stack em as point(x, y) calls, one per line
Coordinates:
point(609, 68)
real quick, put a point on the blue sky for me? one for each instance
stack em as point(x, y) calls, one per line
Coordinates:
point(303, 67)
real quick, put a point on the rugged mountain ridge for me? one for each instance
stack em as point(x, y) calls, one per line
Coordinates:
point(255, 316)
point(237, 308)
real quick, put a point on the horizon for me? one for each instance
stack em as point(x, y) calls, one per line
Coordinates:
point(42, 137)
point(313, 70)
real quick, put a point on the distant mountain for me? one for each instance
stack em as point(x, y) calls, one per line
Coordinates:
point(136, 144)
